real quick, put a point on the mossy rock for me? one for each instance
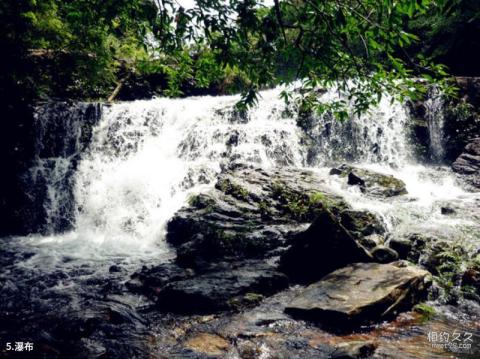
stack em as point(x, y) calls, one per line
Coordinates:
point(371, 182)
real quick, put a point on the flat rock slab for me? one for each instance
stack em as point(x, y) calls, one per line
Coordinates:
point(222, 289)
point(361, 293)
point(211, 345)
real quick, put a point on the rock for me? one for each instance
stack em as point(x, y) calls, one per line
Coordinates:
point(210, 344)
point(468, 163)
point(471, 277)
point(224, 287)
point(115, 269)
point(410, 246)
point(370, 182)
point(354, 350)
point(447, 210)
point(361, 223)
point(384, 254)
point(469, 89)
point(325, 246)
point(371, 241)
point(336, 171)
point(402, 246)
point(150, 281)
point(249, 214)
point(471, 284)
point(419, 129)
point(361, 293)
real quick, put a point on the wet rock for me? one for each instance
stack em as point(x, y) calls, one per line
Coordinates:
point(468, 163)
point(151, 280)
point(249, 214)
point(361, 293)
point(354, 350)
point(325, 246)
point(361, 223)
point(447, 210)
point(370, 182)
point(410, 246)
point(115, 269)
point(471, 284)
point(371, 241)
point(224, 287)
point(211, 345)
point(402, 246)
point(384, 254)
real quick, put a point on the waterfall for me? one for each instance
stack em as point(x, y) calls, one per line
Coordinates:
point(434, 106)
point(63, 132)
point(147, 156)
point(378, 136)
point(117, 178)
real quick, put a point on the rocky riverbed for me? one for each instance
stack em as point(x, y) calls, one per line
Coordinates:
point(266, 264)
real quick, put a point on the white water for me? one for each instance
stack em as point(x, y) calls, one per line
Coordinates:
point(436, 121)
point(147, 157)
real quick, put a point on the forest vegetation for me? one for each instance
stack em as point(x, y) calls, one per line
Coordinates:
point(84, 49)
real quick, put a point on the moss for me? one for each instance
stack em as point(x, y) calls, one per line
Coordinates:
point(201, 201)
point(253, 298)
point(248, 299)
point(475, 263)
point(427, 311)
point(265, 211)
point(233, 189)
point(301, 206)
point(469, 291)
point(225, 240)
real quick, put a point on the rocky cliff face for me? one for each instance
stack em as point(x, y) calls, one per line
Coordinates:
point(468, 163)
point(458, 118)
point(43, 152)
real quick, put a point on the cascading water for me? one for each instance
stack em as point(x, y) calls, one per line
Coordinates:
point(378, 136)
point(108, 179)
point(63, 133)
point(434, 106)
point(145, 157)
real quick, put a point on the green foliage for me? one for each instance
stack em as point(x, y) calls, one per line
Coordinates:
point(449, 31)
point(84, 47)
point(300, 206)
point(427, 311)
point(233, 189)
point(201, 201)
point(356, 45)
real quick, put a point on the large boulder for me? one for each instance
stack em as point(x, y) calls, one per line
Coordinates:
point(224, 287)
point(249, 214)
point(229, 239)
point(361, 293)
point(325, 246)
point(361, 223)
point(468, 163)
point(370, 182)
